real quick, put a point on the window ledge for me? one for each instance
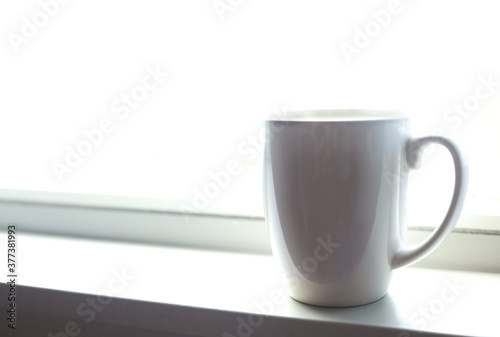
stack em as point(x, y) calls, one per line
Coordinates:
point(189, 292)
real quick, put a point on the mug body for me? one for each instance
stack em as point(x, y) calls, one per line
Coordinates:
point(335, 186)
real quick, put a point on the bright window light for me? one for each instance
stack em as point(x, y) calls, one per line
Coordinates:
point(163, 99)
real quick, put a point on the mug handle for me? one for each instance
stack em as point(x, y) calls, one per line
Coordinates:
point(410, 254)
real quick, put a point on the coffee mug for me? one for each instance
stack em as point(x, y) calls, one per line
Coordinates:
point(335, 186)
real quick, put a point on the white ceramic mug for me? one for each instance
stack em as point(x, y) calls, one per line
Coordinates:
point(335, 197)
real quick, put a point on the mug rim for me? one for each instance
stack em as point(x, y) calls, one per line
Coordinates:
point(338, 115)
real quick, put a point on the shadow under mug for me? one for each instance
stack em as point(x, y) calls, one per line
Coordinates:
point(335, 186)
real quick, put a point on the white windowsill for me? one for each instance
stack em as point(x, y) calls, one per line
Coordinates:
point(189, 292)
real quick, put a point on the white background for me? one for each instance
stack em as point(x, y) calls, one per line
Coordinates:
point(226, 72)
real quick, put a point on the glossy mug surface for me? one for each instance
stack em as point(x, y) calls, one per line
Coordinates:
point(335, 185)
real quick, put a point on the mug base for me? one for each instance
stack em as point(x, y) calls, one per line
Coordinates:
point(337, 304)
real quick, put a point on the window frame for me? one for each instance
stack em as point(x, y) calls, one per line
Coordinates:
point(134, 219)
